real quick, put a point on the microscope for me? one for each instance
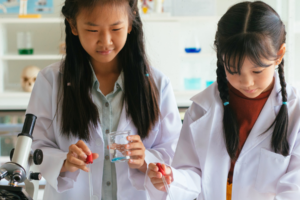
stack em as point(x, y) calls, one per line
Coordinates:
point(20, 169)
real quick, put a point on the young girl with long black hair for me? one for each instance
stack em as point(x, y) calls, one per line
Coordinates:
point(104, 84)
point(240, 138)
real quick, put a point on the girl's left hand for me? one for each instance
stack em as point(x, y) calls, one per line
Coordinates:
point(136, 151)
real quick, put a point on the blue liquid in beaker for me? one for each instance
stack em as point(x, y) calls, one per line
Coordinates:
point(208, 83)
point(192, 50)
point(192, 83)
point(120, 159)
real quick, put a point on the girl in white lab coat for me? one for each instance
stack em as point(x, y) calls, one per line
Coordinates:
point(104, 84)
point(240, 138)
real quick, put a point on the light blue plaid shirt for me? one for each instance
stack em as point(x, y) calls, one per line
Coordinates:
point(110, 108)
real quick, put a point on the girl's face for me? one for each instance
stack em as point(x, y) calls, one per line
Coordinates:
point(253, 80)
point(102, 32)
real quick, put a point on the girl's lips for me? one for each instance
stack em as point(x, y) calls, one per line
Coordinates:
point(250, 91)
point(104, 52)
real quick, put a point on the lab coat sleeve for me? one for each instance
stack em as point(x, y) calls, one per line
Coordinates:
point(41, 104)
point(164, 146)
point(288, 186)
point(185, 168)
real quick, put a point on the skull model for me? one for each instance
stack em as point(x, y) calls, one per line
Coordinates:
point(28, 77)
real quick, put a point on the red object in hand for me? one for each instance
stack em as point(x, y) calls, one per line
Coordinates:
point(160, 169)
point(89, 159)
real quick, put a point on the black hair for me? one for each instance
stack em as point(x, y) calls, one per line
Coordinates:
point(253, 30)
point(141, 95)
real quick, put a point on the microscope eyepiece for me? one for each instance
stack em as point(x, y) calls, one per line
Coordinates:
point(28, 125)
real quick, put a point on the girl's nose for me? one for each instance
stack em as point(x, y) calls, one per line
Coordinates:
point(105, 39)
point(246, 81)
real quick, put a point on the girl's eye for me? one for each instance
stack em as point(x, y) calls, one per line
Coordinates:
point(116, 29)
point(258, 72)
point(233, 73)
point(92, 30)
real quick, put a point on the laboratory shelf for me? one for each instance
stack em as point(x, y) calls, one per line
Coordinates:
point(31, 57)
point(148, 18)
point(30, 21)
point(14, 100)
point(198, 55)
point(11, 127)
point(18, 100)
point(183, 97)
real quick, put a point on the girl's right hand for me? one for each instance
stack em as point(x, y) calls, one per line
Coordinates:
point(156, 177)
point(76, 157)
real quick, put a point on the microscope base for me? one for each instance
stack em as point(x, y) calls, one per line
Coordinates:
point(13, 193)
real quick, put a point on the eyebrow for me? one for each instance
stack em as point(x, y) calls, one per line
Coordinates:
point(91, 24)
point(117, 23)
point(114, 24)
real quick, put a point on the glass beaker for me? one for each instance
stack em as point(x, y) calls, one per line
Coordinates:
point(29, 47)
point(116, 144)
point(192, 43)
point(191, 76)
point(24, 43)
point(21, 43)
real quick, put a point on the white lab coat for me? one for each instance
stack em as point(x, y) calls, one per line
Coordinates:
point(201, 162)
point(160, 145)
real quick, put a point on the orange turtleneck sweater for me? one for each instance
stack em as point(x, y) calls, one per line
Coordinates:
point(247, 111)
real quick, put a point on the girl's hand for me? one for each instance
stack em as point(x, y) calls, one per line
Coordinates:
point(76, 157)
point(136, 151)
point(156, 177)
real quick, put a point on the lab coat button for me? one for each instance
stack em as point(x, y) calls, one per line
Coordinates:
point(106, 157)
point(107, 131)
point(106, 104)
point(108, 183)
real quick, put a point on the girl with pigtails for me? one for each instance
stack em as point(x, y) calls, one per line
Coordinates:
point(240, 138)
point(104, 84)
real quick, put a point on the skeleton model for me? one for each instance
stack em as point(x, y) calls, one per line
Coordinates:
point(28, 77)
point(23, 7)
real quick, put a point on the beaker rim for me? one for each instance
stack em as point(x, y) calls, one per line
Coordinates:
point(119, 132)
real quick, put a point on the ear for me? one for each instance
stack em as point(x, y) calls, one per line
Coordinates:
point(281, 53)
point(129, 28)
point(73, 27)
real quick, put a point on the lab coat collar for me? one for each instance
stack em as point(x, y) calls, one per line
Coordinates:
point(210, 97)
point(275, 94)
point(119, 83)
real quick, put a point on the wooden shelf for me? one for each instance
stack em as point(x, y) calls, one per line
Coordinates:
point(31, 57)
